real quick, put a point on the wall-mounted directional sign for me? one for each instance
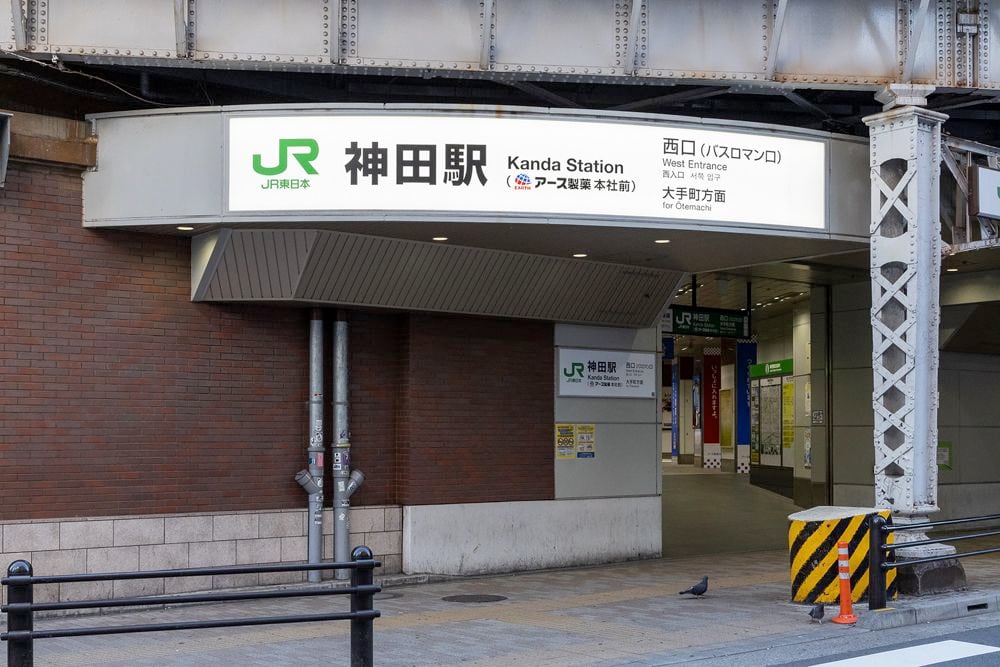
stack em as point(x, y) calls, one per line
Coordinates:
point(688, 321)
point(985, 185)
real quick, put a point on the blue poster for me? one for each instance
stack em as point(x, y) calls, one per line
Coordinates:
point(746, 355)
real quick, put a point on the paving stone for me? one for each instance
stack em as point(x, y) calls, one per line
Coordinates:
point(257, 552)
point(84, 534)
point(138, 531)
point(31, 537)
point(235, 527)
point(282, 524)
point(163, 557)
point(188, 529)
point(212, 554)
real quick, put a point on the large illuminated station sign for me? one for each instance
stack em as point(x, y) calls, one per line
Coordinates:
point(523, 167)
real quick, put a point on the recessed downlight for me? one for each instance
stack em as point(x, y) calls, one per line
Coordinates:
point(662, 241)
point(185, 228)
point(580, 255)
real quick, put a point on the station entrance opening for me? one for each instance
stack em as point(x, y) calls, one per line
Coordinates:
point(737, 401)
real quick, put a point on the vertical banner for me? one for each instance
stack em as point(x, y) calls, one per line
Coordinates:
point(746, 356)
point(711, 384)
point(787, 420)
point(675, 399)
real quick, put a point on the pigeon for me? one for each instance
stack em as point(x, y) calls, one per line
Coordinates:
point(698, 589)
point(816, 613)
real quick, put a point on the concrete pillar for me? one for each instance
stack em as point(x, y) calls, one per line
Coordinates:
point(905, 275)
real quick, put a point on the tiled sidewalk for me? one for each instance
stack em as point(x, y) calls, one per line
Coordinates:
point(628, 614)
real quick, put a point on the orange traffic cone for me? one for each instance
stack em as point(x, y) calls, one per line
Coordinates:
point(844, 566)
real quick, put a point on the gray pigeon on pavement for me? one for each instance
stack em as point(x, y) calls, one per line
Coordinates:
point(698, 589)
point(816, 613)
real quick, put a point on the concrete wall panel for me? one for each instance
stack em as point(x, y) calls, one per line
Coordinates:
point(482, 538)
point(628, 429)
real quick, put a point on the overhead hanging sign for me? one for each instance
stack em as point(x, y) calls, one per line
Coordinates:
point(607, 373)
point(523, 166)
point(689, 321)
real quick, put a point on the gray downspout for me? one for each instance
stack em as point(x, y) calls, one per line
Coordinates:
point(311, 480)
point(345, 482)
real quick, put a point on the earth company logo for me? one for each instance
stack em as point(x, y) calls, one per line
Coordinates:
point(520, 182)
point(303, 150)
point(574, 372)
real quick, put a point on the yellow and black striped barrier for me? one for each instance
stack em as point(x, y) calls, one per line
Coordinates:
point(812, 550)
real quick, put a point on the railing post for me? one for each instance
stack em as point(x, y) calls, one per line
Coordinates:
point(362, 629)
point(20, 652)
point(876, 557)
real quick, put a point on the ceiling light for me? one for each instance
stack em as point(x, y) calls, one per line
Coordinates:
point(759, 303)
point(580, 254)
point(662, 241)
point(952, 270)
point(185, 228)
point(439, 238)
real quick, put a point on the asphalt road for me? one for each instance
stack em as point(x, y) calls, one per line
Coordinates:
point(971, 641)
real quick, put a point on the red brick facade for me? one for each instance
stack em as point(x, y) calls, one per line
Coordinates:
point(120, 396)
point(477, 413)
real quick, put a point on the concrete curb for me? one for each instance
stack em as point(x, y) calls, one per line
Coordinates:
point(912, 611)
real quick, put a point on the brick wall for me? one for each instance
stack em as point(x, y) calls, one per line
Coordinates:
point(119, 395)
point(375, 343)
point(477, 410)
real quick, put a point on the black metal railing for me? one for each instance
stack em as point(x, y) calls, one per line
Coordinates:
point(881, 556)
point(21, 607)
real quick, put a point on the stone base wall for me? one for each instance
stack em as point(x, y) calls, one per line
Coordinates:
point(171, 541)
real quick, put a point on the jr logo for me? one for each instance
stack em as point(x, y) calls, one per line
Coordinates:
point(303, 150)
point(574, 370)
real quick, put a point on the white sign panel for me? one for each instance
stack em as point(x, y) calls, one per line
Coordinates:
point(523, 166)
point(606, 373)
point(988, 192)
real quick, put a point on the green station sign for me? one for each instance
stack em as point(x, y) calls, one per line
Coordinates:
point(771, 369)
point(688, 321)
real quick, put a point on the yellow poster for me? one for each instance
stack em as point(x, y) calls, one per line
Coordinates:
point(726, 420)
point(565, 441)
point(576, 441)
point(787, 412)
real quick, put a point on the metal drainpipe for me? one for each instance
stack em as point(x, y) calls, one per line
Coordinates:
point(345, 482)
point(316, 445)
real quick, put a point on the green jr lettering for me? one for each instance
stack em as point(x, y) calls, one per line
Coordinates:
point(574, 370)
point(303, 150)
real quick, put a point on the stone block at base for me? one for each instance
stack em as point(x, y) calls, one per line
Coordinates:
point(929, 578)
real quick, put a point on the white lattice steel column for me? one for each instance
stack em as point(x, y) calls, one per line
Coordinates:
point(905, 274)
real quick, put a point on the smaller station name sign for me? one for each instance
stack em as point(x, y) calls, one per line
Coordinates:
point(607, 373)
point(688, 321)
